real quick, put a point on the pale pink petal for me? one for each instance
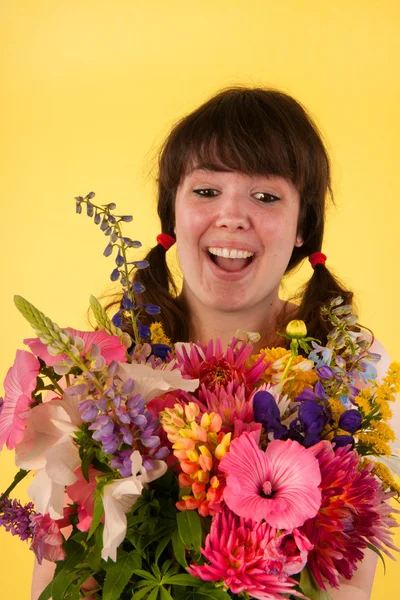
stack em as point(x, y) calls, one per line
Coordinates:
point(62, 460)
point(150, 383)
point(19, 384)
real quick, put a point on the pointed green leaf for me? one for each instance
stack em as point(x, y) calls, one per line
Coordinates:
point(164, 594)
point(379, 553)
point(119, 573)
point(162, 544)
point(146, 575)
point(98, 510)
point(310, 587)
point(179, 548)
point(184, 579)
point(138, 594)
point(189, 526)
point(66, 575)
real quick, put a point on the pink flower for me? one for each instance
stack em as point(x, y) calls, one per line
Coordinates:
point(110, 346)
point(237, 550)
point(19, 384)
point(232, 402)
point(47, 539)
point(291, 550)
point(82, 492)
point(216, 368)
point(279, 485)
point(354, 512)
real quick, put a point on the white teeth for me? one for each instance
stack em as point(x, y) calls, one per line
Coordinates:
point(226, 253)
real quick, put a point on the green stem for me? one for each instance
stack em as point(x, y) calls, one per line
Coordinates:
point(54, 382)
point(18, 477)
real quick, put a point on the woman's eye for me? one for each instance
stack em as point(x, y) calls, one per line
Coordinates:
point(267, 198)
point(201, 193)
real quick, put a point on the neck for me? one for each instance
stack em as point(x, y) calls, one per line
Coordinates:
point(206, 323)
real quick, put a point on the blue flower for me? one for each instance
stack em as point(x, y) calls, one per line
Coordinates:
point(350, 420)
point(312, 416)
point(267, 413)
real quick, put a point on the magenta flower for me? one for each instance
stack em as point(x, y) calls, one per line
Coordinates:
point(19, 384)
point(47, 539)
point(354, 512)
point(110, 346)
point(216, 368)
point(279, 485)
point(291, 550)
point(237, 550)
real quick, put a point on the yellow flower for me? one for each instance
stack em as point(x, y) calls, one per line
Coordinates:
point(384, 474)
point(337, 409)
point(158, 335)
point(301, 375)
point(374, 443)
point(296, 329)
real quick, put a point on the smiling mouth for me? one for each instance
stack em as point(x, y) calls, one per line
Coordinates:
point(231, 265)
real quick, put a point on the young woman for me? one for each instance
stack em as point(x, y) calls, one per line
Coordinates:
point(243, 182)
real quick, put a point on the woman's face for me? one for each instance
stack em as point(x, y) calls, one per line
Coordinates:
point(235, 235)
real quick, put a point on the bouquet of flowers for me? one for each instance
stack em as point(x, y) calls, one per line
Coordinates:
point(190, 471)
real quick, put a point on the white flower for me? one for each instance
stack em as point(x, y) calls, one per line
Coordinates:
point(118, 498)
point(48, 448)
point(150, 383)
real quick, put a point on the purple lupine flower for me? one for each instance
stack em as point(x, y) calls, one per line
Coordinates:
point(350, 420)
point(16, 518)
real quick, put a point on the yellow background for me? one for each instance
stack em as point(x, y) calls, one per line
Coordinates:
point(89, 90)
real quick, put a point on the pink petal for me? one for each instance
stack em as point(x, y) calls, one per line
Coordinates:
point(111, 347)
point(19, 384)
point(291, 470)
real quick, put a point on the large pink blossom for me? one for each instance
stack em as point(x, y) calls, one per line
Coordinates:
point(47, 539)
point(110, 346)
point(19, 384)
point(279, 485)
point(354, 512)
point(238, 553)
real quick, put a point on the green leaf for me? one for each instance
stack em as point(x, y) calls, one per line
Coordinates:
point(98, 510)
point(310, 587)
point(137, 595)
point(119, 573)
point(67, 574)
point(184, 579)
point(162, 544)
point(379, 553)
point(179, 548)
point(46, 594)
point(146, 575)
point(87, 459)
point(189, 526)
point(164, 594)
point(153, 595)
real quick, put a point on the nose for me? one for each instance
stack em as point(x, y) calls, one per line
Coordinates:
point(233, 214)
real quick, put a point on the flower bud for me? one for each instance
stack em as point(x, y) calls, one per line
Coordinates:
point(296, 329)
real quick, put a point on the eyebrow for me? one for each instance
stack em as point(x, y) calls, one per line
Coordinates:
point(208, 168)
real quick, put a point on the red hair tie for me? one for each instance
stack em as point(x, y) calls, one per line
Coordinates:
point(165, 240)
point(317, 258)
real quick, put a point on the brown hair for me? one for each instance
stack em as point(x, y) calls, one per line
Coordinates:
point(253, 131)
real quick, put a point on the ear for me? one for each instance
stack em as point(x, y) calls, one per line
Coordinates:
point(299, 241)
